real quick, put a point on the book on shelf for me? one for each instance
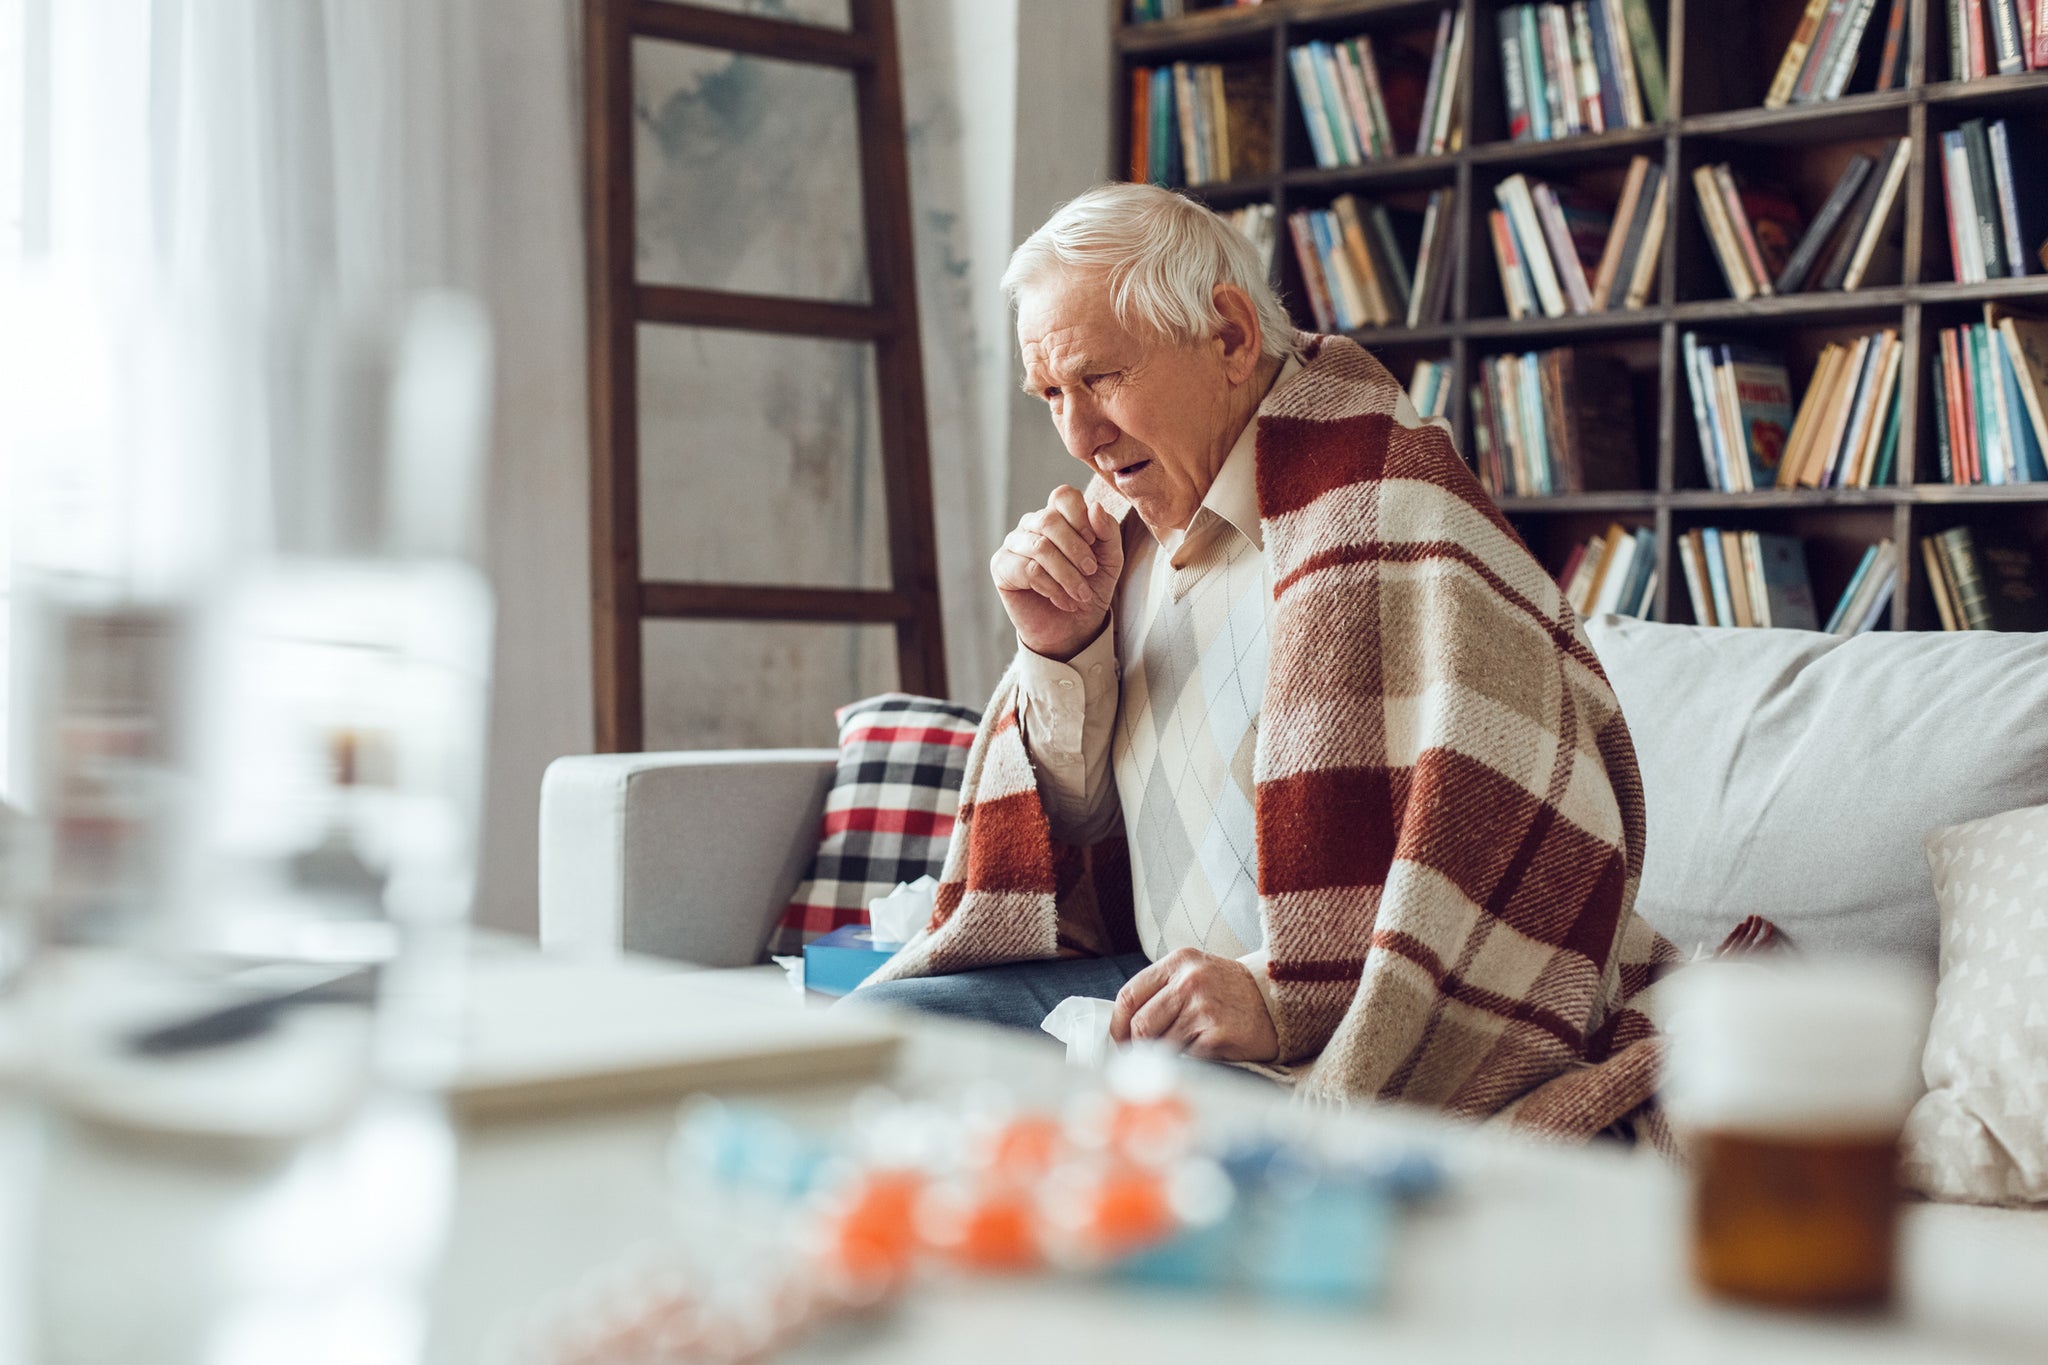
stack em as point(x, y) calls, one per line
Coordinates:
point(1997, 219)
point(1995, 37)
point(1985, 578)
point(1591, 66)
point(1843, 434)
point(1200, 123)
point(1763, 248)
point(1615, 571)
point(1429, 388)
point(1990, 388)
point(1565, 251)
point(1869, 592)
point(1557, 421)
point(1367, 264)
point(1846, 434)
point(1839, 43)
point(1364, 102)
point(1747, 578)
point(1255, 223)
point(1742, 407)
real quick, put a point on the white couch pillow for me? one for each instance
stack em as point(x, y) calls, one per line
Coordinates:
point(1795, 775)
point(1980, 1133)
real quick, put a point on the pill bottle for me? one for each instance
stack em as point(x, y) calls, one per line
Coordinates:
point(1787, 1085)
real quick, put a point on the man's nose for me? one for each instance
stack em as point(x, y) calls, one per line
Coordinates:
point(1086, 429)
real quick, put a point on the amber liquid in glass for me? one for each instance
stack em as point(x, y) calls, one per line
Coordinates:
point(1796, 1222)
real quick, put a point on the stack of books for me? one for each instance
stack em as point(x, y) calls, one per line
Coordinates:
point(1592, 66)
point(1560, 421)
point(1561, 251)
point(1828, 47)
point(1844, 435)
point(1200, 123)
point(1764, 247)
point(1996, 222)
point(1985, 579)
point(1429, 388)
point(1255, 221)
point(1148, 11)
point(1747, 578)
point(1991, 400)
point(1613, 572)
point(1986, 37)
point(1358, 109)
point(1367, 265)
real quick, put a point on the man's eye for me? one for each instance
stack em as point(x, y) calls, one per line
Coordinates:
point(1051, 393)
point(1091, 380)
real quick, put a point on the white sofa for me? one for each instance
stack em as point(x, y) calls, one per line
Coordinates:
point(1786, 773)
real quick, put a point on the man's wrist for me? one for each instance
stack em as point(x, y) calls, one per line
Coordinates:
point(1069, 655)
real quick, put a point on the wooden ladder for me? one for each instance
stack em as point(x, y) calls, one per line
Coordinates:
point(619, 303)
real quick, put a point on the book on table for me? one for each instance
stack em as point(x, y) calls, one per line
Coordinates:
point(545, 1033)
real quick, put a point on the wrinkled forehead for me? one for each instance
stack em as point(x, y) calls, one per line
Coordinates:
point(1063, 301)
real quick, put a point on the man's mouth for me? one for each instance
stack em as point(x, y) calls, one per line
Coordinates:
point(1130, 469)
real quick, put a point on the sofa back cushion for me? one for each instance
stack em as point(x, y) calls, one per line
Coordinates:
point(889, 815)
point(1796, 775)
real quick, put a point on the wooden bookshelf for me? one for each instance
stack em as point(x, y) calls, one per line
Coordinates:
point(1719, 56)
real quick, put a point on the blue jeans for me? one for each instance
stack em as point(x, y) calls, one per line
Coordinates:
point(1016, 994)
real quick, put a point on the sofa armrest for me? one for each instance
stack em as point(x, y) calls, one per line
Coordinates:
point(681, 855)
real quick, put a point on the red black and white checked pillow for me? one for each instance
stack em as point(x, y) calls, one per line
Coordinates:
point(889, 815)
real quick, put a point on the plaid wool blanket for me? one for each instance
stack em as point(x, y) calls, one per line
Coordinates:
point(1449, 816)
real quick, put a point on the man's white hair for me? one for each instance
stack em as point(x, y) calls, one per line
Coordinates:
point(1162, 256)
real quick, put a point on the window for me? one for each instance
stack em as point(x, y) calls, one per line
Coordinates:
point(13, 147)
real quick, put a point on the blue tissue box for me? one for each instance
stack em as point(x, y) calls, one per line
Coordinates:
point(837, 962)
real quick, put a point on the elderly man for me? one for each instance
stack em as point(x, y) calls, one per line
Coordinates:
point(1303, 759)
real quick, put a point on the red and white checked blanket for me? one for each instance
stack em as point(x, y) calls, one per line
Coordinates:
point(1450, 820)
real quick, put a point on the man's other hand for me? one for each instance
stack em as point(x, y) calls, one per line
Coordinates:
point(1205, 1005)
point(1057, 573)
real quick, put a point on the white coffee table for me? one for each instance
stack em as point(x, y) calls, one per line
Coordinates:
point(1537, 1254)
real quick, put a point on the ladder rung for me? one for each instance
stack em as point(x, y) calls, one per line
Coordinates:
point(776, 38)
point(737, 602)
point(683, 307)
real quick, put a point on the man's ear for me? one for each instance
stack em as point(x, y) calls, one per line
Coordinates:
point(1243, 342)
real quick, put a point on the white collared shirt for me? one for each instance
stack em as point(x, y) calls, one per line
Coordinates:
point(1153, 725)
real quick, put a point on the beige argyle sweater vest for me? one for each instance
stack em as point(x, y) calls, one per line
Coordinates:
point(1449, 817)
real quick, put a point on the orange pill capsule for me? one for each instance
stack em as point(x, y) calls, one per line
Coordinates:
point(875, 1237)
point(1148, 1129)
point(1025, 1148)
point(1127, 1210)
point(1000, 1233)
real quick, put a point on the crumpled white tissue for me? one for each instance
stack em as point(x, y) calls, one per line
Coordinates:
point(794, 965)
point(898, 916)
point(1082, 1023)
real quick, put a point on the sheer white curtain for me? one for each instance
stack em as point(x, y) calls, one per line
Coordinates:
point(198, 200)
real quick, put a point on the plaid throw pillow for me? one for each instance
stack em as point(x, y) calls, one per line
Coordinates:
point(889, 815)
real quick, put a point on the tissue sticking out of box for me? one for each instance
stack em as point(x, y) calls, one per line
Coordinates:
point(1082, 1023)
point(898, 916)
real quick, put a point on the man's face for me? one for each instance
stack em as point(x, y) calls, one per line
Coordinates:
point(1152, 417)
